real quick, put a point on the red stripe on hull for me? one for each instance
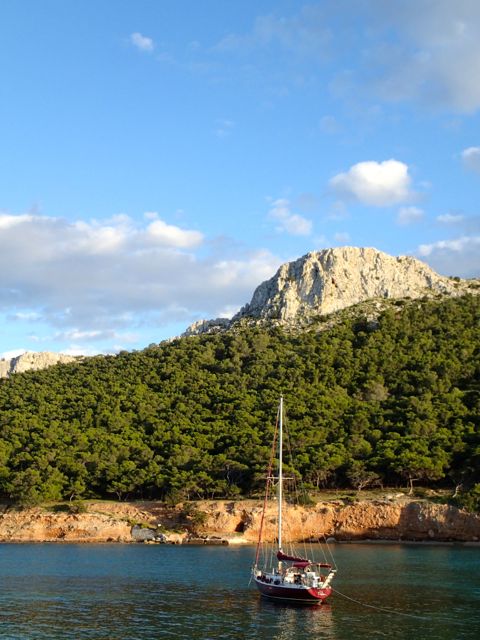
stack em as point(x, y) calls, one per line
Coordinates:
point(293, 593)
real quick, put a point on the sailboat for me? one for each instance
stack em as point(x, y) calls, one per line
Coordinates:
point(287, 577)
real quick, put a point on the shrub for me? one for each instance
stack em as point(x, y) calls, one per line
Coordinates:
point(469, 500)
point(195, 517)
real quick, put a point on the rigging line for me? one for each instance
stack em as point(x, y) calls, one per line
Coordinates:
point(269, 480)
point(384, 609)
point(330, 553)
point(296, 490)
point(295, 487)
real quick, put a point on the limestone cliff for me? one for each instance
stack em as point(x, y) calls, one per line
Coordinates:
point(39, 525)
point(32, 360)
point(239, 522)
point(325, 281)
point(402, 519)
point(322, 282)
point(207, 326)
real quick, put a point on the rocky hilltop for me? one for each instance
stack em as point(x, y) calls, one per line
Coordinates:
point(31, 360)
point(322, 282)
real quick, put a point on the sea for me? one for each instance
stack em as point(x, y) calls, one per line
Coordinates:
point(140, 592)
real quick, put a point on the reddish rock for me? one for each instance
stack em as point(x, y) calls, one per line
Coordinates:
point(239, 521)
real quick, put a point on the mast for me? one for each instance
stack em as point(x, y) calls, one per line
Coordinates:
point(280, 474)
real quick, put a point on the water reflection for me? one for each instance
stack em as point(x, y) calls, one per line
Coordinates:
point(290, 621)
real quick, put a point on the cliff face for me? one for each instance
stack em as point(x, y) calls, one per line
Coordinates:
point(322, 282)
point(37, 525)
point(377, 520)
point(240, 521)
point(31, 361)
point(326, 281)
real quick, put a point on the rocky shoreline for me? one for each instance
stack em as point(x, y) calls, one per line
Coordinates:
point(237, 522)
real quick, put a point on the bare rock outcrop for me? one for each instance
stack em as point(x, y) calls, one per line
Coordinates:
point(376, 519)
point(207, 326)
point(37, 525)
point(323, 282)
point(240, 521)
point(31, 360)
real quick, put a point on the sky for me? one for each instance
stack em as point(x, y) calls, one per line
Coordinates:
point(161, 158)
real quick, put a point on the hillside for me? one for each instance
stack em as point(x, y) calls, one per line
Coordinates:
point(391, 401)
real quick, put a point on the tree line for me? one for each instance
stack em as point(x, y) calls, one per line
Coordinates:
point(390, 402)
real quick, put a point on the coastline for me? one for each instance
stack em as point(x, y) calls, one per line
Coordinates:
point(402, 520)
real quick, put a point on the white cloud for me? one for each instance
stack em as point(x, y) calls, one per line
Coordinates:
point(229, 273)
point(409, 215)
point(289, 222)
point(471, 158)
point(143, 43)
point(459, 256)
point(450, 218)
point(426, 51)
point(82, 342)
point(457, 245)
point(228, 311)
point(31, 316)
point(430, 52)
point(7, 221)
point(97, 238)
point(8, 355)
point(171, 236)
point(90, 282)
point(75, 350)
point(75, 334)
point(374, 183)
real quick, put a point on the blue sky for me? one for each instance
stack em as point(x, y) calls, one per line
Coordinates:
point(162, 158)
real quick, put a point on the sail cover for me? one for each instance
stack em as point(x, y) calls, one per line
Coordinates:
point(301, 562)
point(284, 556)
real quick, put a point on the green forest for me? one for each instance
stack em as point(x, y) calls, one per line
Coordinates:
point(394, 402)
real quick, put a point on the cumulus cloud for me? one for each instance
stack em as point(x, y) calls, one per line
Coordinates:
point(171, 236)
point(8, 221)
point(471, 159)
point(374, 183)
point(141, 42)
point(291, 223)
point(409, 215)
point(95, 281)
point(459, 256)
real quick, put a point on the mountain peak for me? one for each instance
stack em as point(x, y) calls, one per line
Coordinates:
point(322, 282)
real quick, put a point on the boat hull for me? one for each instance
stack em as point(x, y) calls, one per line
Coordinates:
point(293, 593)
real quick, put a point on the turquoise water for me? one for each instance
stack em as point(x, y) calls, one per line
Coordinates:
point(147, 591)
